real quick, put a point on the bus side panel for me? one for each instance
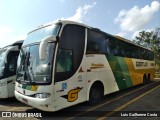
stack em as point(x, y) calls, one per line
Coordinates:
point(146, 67)
point(125, 71)
point(11, 85)
point(71, 91)
point(138, 70)
point(3, 88)
point(152, 71)
point(136, 75)
point(111, 83)
point(117, 71)
point(98, 69)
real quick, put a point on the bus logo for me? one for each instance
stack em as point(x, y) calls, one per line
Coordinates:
point(72, 95)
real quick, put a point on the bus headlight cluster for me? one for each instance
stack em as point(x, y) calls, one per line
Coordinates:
point(42, 95)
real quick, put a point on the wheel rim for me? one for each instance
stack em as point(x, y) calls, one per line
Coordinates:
point(95, 94)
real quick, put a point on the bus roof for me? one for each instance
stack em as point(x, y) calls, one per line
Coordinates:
point(65, 22)
point(129, 41)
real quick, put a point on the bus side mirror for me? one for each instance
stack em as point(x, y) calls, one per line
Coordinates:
point(43, 46)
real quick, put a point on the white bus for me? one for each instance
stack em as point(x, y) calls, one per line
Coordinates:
point(8, 66)
point(65, 63)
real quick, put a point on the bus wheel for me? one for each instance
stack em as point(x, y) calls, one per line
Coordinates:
point(96, 93)
point(149, 78)
point(144, 79)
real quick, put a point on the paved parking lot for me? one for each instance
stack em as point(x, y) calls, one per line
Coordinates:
point(135, 101)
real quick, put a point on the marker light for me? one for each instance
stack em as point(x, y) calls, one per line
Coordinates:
point(42, 95)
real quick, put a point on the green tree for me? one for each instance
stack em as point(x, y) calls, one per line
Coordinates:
point(150, 40)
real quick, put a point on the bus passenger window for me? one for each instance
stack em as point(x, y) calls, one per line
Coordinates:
point(64, 61)
point(96, 43)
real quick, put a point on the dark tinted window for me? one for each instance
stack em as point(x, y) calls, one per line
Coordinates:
point(112, 48)
point(11, 65)
point(95, 42)
point(72, 42)
point(124, 49)
point(64, 61)
point(99, 43)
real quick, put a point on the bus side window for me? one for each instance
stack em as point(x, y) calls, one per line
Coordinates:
point(96, 43)
point(111, 44)
point(72, 42)
point(64, 61)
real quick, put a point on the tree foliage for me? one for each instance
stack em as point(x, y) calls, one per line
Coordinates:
point(150, 40)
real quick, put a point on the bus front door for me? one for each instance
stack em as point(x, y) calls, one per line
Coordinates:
point(71, 91)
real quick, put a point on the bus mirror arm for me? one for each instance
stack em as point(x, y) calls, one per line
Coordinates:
point(43, 45)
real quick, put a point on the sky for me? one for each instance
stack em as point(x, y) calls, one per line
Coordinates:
point(125, 18)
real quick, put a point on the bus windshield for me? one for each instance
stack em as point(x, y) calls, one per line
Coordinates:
point(2, 57)
point(32, 70)
point(2, 61)
point(39, 34)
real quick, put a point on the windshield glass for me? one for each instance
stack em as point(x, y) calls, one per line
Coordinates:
point(2, 60)
point(2, 57)
point(39, 34)
point(32, 70)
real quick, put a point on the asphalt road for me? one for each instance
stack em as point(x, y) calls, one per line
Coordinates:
point(134, 103)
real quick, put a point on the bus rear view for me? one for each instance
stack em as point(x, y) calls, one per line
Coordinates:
point(8, 66)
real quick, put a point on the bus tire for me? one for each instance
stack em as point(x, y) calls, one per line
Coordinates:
point(144, 79)
point(149, 78)
point(96, 93)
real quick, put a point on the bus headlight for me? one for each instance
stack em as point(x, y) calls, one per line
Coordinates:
point(42, 95)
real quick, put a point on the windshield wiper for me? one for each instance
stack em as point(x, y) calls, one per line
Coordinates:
point(26, 73)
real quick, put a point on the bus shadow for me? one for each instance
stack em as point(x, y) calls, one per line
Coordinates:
point(13, 102)
point(5, 101)
point(61, 114)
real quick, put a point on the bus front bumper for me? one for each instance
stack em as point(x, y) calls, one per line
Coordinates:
point(42, 104)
